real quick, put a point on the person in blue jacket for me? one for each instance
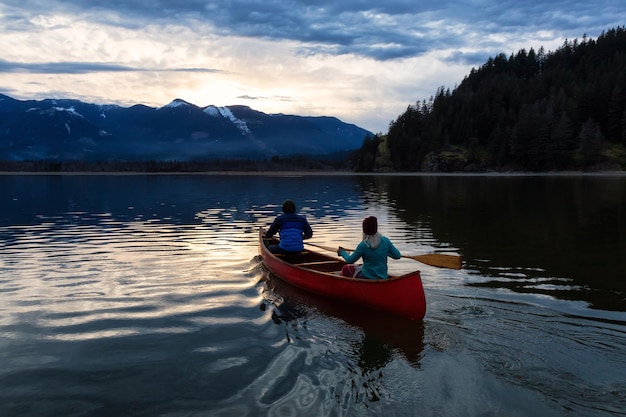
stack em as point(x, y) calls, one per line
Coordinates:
point(374, 249)
point(292, 229)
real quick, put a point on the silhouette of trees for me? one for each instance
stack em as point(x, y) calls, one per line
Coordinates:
point(292, 163)
point(533, 111)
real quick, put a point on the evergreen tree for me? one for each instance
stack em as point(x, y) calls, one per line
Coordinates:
point(590, 143)
point(533, 111)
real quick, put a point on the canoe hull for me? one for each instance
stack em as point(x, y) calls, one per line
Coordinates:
point(318, 273)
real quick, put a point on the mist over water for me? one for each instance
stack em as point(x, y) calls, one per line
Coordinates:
point(143, 295)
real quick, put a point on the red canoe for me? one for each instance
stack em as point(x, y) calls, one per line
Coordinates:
point(319, 273)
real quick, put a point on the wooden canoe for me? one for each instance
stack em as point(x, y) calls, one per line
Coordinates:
point(319, 273)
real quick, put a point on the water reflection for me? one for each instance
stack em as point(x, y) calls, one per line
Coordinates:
point(179, 199)
point(383, 333)
point(377, 338)
point(563, 236)
point(140, 295)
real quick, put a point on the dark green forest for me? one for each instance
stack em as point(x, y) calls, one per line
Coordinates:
point(531, 111)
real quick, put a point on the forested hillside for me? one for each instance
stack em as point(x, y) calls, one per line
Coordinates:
point(534, 111)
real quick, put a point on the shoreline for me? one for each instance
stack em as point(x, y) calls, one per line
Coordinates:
point(322, 173)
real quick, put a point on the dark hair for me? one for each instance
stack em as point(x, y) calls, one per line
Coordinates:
point(370, 225)
point(289, 206)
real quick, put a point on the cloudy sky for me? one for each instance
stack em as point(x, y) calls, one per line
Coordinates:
point(359, 60)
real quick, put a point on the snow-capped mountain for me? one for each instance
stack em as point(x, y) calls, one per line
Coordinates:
point(72, 130)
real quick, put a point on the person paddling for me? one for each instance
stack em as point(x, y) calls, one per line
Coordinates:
point(374, 249)
point(292, 229)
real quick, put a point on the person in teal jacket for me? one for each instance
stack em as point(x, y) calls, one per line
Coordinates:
point(374, 249)
point(292, 229)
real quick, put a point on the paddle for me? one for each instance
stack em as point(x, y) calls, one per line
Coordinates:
point(433, 259)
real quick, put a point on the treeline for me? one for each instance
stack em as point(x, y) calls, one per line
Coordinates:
point(292, 163)
point(532, 111)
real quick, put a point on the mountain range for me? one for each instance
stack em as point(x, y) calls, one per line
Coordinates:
point(70, 130)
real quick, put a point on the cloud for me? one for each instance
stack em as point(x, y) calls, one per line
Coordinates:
point(86, 68)
point(359, 60)
point(61, 67)
point(378, 30)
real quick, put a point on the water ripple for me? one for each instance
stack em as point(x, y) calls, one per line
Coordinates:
point(85, 277)
point(154, 302)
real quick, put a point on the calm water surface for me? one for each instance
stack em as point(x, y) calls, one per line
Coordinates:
point(132, 295)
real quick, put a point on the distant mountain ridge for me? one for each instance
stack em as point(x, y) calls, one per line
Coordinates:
point(69, 130)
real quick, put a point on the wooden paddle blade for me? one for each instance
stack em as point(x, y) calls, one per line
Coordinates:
point(438, 259)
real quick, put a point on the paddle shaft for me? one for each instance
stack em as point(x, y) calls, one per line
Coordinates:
point(433, 259)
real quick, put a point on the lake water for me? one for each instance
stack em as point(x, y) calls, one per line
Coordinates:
point(143, 295)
